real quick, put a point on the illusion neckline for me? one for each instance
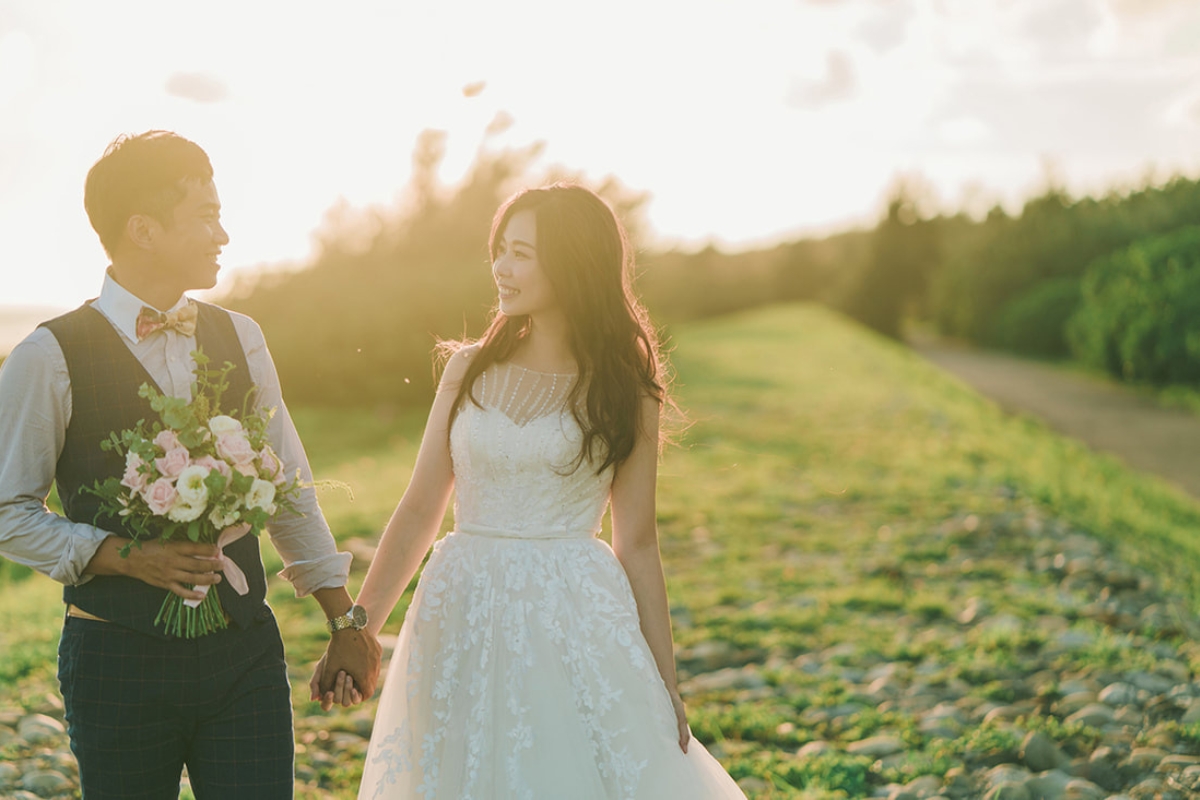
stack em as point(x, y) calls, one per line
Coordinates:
point(538, 371)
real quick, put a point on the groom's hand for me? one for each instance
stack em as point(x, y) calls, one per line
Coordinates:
point(356, 653)
point(167, 565)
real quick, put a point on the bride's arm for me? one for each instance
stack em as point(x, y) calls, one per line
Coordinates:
point(415, 522)
point(635, 541)
point(412, 528)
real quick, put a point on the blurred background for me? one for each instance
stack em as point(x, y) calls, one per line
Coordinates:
point(1017, 173)
point(851, 536)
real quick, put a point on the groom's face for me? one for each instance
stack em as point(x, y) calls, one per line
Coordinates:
point(188, 249)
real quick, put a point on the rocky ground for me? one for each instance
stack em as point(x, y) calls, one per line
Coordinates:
point(1024, 662)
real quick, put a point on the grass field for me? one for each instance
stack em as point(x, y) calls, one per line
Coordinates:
point(825, 478)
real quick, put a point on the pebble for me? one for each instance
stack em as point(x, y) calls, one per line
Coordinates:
point(1119, 694)
point(1040, 753)
point(1008, 718)
point(814, 749)
point(876, 746)
point(1096, 715)
point(45, 783)
point(39, 728)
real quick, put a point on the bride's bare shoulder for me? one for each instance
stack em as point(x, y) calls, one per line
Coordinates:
point(459, 358)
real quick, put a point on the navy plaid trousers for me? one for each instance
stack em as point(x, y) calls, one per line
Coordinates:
point(139, 708)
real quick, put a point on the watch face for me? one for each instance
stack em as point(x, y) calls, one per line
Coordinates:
point(358, 617)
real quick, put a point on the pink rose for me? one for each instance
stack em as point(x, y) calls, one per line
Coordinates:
point(214, 463)
point(174, 462)
point(167, 440)
point(246, 469)
point(160, 496)
point(134, 478)
point(272, 467)
point(235, 448)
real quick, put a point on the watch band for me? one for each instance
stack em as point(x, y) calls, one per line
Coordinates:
point(340, 623)
point(355, 618)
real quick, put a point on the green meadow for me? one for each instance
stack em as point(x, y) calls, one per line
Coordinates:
point(823, 482)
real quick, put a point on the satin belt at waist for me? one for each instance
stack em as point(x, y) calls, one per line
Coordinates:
point(529, 535)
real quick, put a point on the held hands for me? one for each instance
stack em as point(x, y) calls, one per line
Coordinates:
point(349, 671)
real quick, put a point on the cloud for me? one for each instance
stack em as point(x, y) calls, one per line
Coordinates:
point(963, 131)
point(17, 62)
point(1137, 8)
point(1055, 26)
point(837, 84)
point(1101, 112)
point(197, 87)
point(886, 28)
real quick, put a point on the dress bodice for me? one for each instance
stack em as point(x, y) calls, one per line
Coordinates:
point(515, 460)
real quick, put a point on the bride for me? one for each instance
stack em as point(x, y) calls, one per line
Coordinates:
point(535, 662)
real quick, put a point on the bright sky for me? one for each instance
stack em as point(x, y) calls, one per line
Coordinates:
point(748, 122)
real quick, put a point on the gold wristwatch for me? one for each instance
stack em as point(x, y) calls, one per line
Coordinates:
point(355, 618)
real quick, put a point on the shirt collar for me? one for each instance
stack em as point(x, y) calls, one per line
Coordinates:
point(122, 306)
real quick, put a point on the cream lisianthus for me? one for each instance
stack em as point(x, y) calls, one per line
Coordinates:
point(185, 512)
point(223, 424)
point(261, 495)
point(190, 485)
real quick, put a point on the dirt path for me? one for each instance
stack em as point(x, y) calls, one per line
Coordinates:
point(1105, 416)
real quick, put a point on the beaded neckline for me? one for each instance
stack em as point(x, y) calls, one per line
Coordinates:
point(537, 371)
point(524, 394)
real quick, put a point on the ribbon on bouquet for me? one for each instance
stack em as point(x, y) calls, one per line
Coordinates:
point(233, 573)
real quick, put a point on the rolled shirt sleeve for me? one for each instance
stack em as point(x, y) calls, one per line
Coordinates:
point(302, 537)
point(35, 408)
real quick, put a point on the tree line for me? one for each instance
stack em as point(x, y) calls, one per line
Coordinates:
point(357, 324)
point(1111, 281)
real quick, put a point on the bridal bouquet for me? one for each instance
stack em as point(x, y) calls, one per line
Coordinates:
point(200, 473)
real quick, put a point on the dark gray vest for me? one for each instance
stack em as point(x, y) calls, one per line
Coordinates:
point(105, 377)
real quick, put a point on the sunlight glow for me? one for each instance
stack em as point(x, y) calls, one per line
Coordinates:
point(748, 123)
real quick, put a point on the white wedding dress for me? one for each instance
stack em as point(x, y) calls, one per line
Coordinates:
point(521, 671)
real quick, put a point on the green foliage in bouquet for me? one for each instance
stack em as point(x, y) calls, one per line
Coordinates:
point(199, 473)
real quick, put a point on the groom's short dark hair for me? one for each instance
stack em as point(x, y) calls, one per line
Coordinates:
point(141, 174)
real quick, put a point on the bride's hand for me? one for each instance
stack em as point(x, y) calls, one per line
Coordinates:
point(685, 735)
point(314, 685)
point(343, 692)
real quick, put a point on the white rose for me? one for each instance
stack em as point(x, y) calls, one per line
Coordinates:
point(185, 512)
point(190, 486)
point(261, 495)
point(223, 424)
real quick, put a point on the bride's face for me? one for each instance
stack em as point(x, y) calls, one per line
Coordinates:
point(520, 280)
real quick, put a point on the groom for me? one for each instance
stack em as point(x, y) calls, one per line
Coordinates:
point(139, 704)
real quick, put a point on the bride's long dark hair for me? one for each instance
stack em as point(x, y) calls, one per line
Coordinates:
point(585, 253)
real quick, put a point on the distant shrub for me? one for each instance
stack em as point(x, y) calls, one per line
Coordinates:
point(990, 265)
point(1035, 323)
point(11, 572)
point(1139, 315)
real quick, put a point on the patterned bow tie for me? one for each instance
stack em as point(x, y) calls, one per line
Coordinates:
point(150, 322)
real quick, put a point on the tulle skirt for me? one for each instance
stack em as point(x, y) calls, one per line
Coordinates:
point(521, 672)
